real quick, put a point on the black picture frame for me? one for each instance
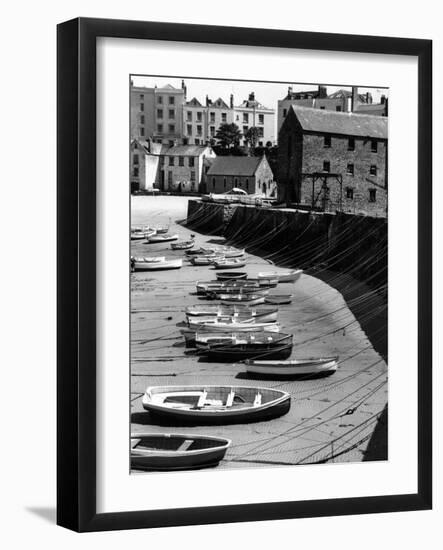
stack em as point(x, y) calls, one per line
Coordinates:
point(76, 280)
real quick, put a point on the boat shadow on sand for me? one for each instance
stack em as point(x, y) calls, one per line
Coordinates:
point(150, 419)
point(281, 377)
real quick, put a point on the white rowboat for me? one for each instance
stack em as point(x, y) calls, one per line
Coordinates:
point(288, 277)
point(293, 367)
point(154, 266)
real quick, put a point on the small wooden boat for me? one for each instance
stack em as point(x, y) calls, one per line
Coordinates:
point(218, 310)
point(166, 452)
point(248, 299)
point(183, 245)
point(226, 251)
point(139, 233)
point(161, 229)
point(204, 260)
point(216, 294)
point(216, 404)
point(203, 287)
point(217, 324)
point(203, 336)
point(166, 238)
point(278, 299)
point(239, 317)
point(229, 263)
point(288, 277)
point(154, 266)
point(293, 367)
point(258, 346)
point(231, 275)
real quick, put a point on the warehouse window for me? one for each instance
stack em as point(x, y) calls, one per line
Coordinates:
point(351, 144)
point(372, 195)
point(350, 169)
point(326, 166)
point(373, 170)
point(327, 142)
point(349, 193)
point(374, 145)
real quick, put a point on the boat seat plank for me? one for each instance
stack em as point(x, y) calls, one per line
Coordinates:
point(202, 399)
point(257, 400)
point(230, 399)
point(185, 445)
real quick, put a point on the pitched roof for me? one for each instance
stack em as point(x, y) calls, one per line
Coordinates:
point(333, 122)
point(186, 150)
point(194, 102)
point(347, 93)
point(219, 103)
point(234, 166)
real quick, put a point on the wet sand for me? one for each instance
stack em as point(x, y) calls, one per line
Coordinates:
point(331, 419)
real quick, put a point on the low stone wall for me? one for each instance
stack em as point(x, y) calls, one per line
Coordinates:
point(209, 217)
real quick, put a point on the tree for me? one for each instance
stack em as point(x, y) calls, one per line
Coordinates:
point(251, 136)
point(228, 135)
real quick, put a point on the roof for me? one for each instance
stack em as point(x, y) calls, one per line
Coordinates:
point(234, 166)
point(378, 109)
point(345, 94)
point(186, 150)
point(194, 102)
point(333, 122)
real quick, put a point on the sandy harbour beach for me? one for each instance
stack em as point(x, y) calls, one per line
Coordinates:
point(331, 419)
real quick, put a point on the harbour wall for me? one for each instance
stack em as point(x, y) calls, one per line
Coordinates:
point(341, 243)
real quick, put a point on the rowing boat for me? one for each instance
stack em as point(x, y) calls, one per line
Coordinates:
point(240, 317)
point(278, 299)
point(183, 245)
point(248, 299)
point(203, 336)
point(140, 233)
point(227, 251)
point(288, 277)
point(239, 351)
point(216, 404)
point(232, 275)
point(294, 367)
point(204, 260)
point(216, 310)
point(227, 263)
point(166, 452)
point(162, 238)
point(231, 324)
point(154, 266)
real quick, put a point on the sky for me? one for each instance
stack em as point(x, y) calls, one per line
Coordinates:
point(266, 93)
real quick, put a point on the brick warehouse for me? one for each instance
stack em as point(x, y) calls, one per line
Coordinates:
point(334, 161)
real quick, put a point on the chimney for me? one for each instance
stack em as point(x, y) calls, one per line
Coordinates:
point(252, 96)
point(383, 99)
point(289, 91)
point(184, 88)
point(354, 101)
point(207, 100)
point(322, 92)
point(231, 101)
point(368, 98)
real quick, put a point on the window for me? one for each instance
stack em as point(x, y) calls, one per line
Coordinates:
point(260, 132)
point(189, 116)
point(326, 166)
point(171, 100)
point(189, 129)
point(191, 162)
point(374, 145)
point(199, 130)
point(285, 112)
point(192, 175)
point(171, 128)
point(181, 161)
point(236, 182)
point(142, 97)
point(212, 117)
point(171, 161)
point(169, 177)
point(338, 108)
point(135, 159)
point(142, 119)
point(171, 113)
point(197, 141)
point(223, 117)
point(245, 129)
point(322, 108)
point(199, 116)
point(327, 142)
point(142, 131)
point(159, 113)
point(135, 171)
point(372, 195)
point(373, 170)
point(261, 119)
point(212, 130)
point(246, 118)
point(351, 144)
point(349, 193)
point(142, 106)
point(162, 160)
point(160, 128)
point(224, 183)
point(350, 169)
point(247, 184)
point(160, 100)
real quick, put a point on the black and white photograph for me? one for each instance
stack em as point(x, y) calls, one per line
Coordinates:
point(259, 267)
